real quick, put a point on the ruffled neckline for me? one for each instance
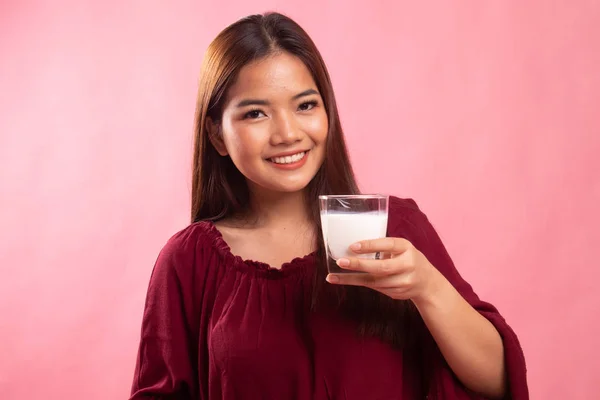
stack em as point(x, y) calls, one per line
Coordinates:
point(295, 266)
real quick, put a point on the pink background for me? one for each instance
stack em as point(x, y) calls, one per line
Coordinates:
point(486, 112)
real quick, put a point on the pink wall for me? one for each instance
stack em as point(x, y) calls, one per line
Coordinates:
point(485, 112)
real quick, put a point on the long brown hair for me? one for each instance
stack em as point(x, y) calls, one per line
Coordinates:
point(220, 190)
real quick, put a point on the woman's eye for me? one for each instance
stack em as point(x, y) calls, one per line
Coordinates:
point(307, 106)
point(253, 114)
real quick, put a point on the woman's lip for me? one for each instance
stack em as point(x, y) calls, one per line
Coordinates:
point(292, 165)
point(288, 153)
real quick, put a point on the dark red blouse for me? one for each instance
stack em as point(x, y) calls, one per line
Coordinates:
point(219, 327)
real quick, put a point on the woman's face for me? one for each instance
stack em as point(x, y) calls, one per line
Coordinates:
point(274, 125)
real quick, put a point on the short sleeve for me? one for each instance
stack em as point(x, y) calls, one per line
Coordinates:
point(407, 221)
point(165, 367)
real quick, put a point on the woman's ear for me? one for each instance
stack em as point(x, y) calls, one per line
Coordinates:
point(216, 138)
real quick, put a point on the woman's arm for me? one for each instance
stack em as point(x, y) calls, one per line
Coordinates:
point(477, 343)
point(463, 326)
point(165, 367)
point(469, 342)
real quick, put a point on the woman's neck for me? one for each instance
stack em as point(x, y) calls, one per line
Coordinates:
point(277, 210)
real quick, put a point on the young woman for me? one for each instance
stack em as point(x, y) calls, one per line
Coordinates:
point(239, 304)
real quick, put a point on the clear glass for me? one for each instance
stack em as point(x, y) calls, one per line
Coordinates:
point(350, 219)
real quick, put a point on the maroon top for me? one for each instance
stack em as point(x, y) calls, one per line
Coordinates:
point(219, 327)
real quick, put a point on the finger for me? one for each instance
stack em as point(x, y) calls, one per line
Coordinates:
point(383, 245)
point(376, 282)
point(377, 267)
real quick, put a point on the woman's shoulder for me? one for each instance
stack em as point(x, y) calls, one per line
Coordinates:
point(193, 237)
point(406, 219)
point(403, 207)
point(190, 247)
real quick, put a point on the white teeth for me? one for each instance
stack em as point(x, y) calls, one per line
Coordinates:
point(288, 159)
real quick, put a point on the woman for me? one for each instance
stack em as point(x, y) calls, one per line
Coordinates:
point(237, 307)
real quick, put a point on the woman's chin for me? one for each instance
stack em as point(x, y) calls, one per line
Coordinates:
point(279, 187)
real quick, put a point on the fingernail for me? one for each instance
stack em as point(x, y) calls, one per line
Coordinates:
point(343, 262)
point(332, 279)
point(355, 246)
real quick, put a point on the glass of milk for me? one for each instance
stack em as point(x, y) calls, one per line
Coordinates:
point(350, 219)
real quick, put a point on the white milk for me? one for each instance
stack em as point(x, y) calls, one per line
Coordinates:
point(341, 229)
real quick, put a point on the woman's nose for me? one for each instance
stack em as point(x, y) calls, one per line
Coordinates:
point(285, 130)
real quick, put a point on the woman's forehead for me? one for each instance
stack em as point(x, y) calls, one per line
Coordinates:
point(281, 74)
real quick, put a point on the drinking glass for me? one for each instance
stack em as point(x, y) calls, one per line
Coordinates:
point(347, 219)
